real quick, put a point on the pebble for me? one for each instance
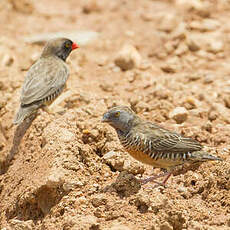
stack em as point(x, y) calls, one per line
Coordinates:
point(7, 60)
point(91, 6)
point(215, 46)
point(192, 43)
point(128, 58)
point(21, 225)
point(66, 135)
point(171, 66)
point(168, 22)
point(114, 159)
point(205, 25)
point(118, 226)
point(179, 114)
point(227, 101)
point(166, 226)
point(99, 200)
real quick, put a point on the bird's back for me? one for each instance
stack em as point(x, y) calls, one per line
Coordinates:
point(44, 82)
point(156, 146)
point(44, 78)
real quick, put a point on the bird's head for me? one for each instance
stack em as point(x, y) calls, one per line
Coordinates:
point(120, 118)
point(60, 47)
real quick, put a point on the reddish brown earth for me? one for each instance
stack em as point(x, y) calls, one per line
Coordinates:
point(61, 177)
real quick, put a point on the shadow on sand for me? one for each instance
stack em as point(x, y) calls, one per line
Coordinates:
point(18, 135)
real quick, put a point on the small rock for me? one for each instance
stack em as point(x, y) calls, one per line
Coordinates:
point(142, 202)
point(82, 222)
point(211, 42)
point(201, 7)
point(7, 60)
point(205, 25)
point(194, 77)
point(212, 115)
point(55, 179)
point(207, 126)
point(2, 86)
point(144, 65)
point(70, 185)
point(181, 49)
point(193, 43)
point(215, 46)
point(98, 200)
point(142, 106)
point(170, 47)
point(221, 111)
point(118, 226)
point(179, 114)
point(126, 184)
point(115, 160)
point(66, 135)
point(210, 24)
point(21, 225)
point(128, 58)
point(208, 79)
point(133, 167)
point(118, 162)
point(182, 189)
point(102, 60)
point(171, 66)
point(106, 87)
point(91, 6)
point(180, 31)
point(82, 200)
point(227, 101)
point(166, 226)
point(168, 22)
point(190, 103)
point(23, 6)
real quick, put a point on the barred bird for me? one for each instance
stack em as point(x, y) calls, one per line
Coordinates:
point(154, 145)
point(46, 78)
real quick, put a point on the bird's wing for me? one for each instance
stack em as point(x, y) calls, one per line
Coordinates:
point(163, 140)
point(43, 79)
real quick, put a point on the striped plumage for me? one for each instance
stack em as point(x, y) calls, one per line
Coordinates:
point(152, 144)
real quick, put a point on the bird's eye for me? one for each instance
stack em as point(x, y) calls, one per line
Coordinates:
point(67, 45)
point(117, 114)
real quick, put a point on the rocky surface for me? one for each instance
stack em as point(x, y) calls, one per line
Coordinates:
point(67, 170)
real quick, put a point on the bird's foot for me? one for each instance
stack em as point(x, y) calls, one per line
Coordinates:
point(153, 179)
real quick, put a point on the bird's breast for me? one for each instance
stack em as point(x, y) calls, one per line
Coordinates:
point(159, 163)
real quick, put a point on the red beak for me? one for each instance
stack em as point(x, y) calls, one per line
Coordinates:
point(74, 46)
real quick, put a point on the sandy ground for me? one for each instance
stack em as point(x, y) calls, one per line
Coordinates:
point(62, 174)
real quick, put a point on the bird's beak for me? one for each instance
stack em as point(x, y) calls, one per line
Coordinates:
point(75, 46)
point(105, 118)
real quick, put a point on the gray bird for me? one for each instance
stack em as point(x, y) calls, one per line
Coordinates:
point(152, 144)
point(46, 78)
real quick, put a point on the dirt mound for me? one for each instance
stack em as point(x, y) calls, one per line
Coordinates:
point(168, 60)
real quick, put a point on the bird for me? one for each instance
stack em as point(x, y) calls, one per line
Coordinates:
point(46, 78)
point(154, 145)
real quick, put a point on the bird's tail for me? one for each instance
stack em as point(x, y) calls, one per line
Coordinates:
point(199, 156)
point(23, 113)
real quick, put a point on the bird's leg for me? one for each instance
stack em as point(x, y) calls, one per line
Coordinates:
point(153, 179)
point(166, 178)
